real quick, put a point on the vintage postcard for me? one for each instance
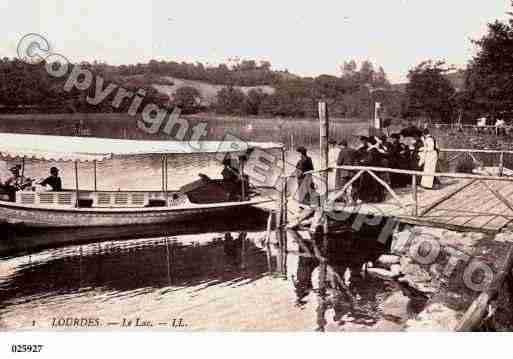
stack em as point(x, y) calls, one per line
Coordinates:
point(240, 166)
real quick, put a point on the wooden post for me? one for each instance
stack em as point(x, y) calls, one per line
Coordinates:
point(165, 180)
point(76, 182)
point(371, 112)
point(23, 167)
point(414, 195)
point(279, 255)
point(282, 228)
point(279, 232)
point(284, 214)
point(80, 270)
point(501, 164)
point(94, 169)
point(242, 236)
point(242, 178)
point(324, 131)
point(324, 135)
point(284, 187)
point(166, 240)
point(268, 241)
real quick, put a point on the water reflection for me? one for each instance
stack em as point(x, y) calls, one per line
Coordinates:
point(140, 265)
point(18, 239)
point(199, 268)
point(348, 293)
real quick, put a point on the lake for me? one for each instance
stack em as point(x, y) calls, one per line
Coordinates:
point(197, 278)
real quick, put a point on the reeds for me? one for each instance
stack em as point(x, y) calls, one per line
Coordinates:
point(292, 132)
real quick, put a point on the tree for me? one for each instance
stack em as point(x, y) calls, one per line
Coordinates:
point(489, 75)
point(255, 98)
point(230, 100)
point(348, 69)
point(187, 98)
point(429, 94)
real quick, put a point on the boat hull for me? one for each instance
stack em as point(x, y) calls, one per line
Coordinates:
point(22, 239)
point(41, 217)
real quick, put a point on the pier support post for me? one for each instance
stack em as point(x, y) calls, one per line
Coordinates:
point(76, 182)
point(242, 159)
point(414, 195)
point(280, 232)
point(268, 241)
point(324, 135)
point(94, 174)
point(324, 148)
point(501, 164)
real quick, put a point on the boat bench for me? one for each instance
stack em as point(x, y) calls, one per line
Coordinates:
point(107, 199)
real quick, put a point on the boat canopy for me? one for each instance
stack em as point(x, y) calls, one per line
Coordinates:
point(67, 148)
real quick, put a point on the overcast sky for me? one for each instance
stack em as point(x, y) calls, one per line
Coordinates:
point(307, 38)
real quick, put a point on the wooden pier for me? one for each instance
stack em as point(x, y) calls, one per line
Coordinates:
point(460, 202)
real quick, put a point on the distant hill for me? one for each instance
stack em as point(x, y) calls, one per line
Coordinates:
point(207, 91)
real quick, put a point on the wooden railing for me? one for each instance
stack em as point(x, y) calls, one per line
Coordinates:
point(456, 126)
point(499, 159)
point(374, 172)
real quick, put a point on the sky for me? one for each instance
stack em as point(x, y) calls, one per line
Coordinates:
point(308, 38)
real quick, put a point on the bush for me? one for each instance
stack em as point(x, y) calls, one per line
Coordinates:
point(231, 100)
point(187, 98)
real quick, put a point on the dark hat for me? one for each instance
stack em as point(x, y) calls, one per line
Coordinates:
point(332, 142)
point(364, 138)
point(395, 135)
point(301, 150)
point(54, 170)
point(15, 168)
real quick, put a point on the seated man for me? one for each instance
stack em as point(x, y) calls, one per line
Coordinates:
point(54, 181)
point(15, 183)
point(231, 180)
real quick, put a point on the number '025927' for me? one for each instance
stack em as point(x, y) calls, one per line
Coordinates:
point(26, 348)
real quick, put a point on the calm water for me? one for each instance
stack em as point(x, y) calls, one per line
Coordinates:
point(211, 281)
point(204, 279)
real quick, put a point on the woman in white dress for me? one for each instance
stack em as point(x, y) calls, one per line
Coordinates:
point(428, 156)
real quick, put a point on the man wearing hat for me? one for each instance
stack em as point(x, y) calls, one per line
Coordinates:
point(15, 183)
point(304, 181)
point(53, 180)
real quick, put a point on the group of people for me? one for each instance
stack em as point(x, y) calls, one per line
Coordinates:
point(500, 128)
point(18, 182)
point(377, 151)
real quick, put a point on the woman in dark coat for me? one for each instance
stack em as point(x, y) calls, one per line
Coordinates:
point(370, 189)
